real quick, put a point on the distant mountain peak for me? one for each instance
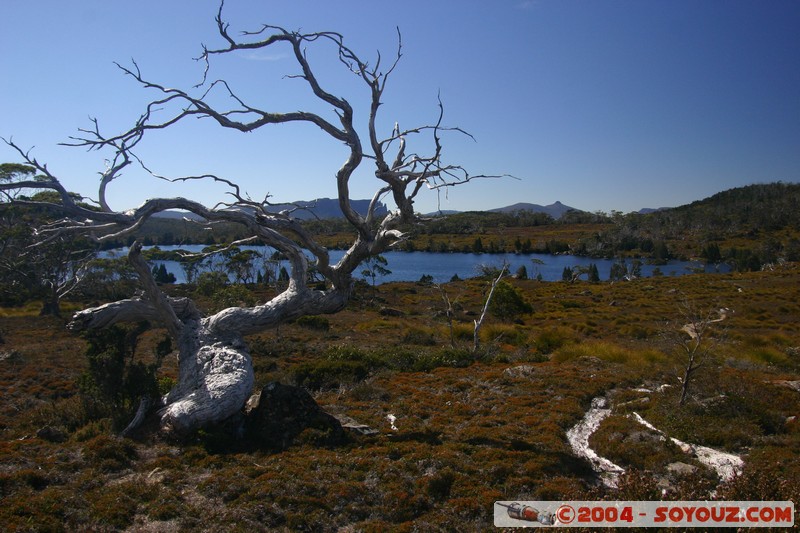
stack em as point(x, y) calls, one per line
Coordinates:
point(555, 210)
point(326, 208)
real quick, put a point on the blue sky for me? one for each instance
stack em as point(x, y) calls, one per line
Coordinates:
point(602, 105)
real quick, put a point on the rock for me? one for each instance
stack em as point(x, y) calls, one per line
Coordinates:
point(590, 362)
point(794, 385)
point(681, 469)
point(388, 311)
point(12, 356)
point(51, 434)
point(638, 401)
point(521, 371)
point(279, 413)
point(642, 436)
point(348, 424)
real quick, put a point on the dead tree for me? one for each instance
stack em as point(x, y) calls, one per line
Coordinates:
point(215, 369)
point(695, 340)
point(478, 322)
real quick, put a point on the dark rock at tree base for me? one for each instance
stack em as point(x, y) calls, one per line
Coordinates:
point(277, 415)
point(51, 434)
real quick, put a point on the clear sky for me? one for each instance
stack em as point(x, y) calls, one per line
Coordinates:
point(602, 105)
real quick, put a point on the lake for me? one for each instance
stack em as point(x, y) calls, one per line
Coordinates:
point(410, 266)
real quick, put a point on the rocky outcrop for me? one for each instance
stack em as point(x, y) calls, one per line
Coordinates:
point(277, 415)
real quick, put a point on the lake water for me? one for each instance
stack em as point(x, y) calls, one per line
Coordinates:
point(410, 266)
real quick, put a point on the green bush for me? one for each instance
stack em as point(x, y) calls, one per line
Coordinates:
point(232, 296)
point(210, 282)
point(314, 322)
point(114, 383)
point(508, 303)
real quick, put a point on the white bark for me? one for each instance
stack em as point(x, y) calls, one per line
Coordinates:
point(476, 339)
point(215, 379)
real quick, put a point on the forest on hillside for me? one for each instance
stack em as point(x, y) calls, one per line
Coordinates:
point(746, 227)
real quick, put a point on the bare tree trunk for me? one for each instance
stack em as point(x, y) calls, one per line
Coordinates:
point(215, 379)
point(476, 340)
point(215, 372)
point(694, 338)
point(687, 374)
point(50, 304)
point(141, 412)
point(215, 369)
point(448, 314)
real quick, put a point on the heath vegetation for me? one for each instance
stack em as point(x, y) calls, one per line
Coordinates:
point(130, 415)
point(466, 428)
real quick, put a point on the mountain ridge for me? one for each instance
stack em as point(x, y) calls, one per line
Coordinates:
point(555, 210)
point(328, 208)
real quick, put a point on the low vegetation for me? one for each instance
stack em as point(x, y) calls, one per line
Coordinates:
point(465, 429)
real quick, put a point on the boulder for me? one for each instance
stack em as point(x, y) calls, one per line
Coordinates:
point(681, 469)
point(51, 434)
point(355, 427)
point(277, 415)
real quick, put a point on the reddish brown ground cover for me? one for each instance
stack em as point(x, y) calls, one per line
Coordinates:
point(471, 429)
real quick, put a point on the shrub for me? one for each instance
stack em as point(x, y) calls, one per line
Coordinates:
point(425, 362)
point(314, 322)
point(210, 282)
point(439, 485)
point(113, 384)
point(602, 350)
point(507, 334)
point(165, 384)
point(549, 340)
point(113, 509)
point(419, 337)
point(508, 303)
point(232, 296)
point(329, 374)
point(93, 429)
point(109, 454)
point(344, 365)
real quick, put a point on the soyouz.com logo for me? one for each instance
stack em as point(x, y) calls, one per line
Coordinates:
point(700, 514)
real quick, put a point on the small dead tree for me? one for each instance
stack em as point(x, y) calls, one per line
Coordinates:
point(694, 338)
point(449, 313)
point(476, 339)
point(215, 369)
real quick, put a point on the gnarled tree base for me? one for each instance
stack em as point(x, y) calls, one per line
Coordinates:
point(215, 380)
point(215, 372)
